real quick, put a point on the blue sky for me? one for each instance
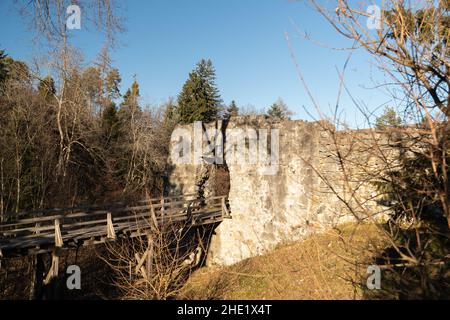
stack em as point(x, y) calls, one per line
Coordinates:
point(164, 39)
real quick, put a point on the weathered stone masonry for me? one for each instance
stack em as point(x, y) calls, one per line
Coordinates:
point(271, 209)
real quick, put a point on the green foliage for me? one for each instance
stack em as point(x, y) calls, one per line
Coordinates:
point(46, 88)
point(231, 111)
point(130, 104)
point(3, 66)
point(110, 124)
point(199, 99)
point(279, 111)
point(389, 118)
point(101, 88)
point(170, 118)
point(112, 84)
point(92, 83)
point(13, 71)
point(19, 72)
point(428, 26)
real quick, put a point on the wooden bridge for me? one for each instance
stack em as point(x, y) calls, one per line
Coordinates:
point(35, 233)
point(38, 232)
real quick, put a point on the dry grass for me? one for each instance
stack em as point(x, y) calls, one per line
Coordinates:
point(324, 266)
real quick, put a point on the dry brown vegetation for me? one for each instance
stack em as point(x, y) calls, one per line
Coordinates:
point(330, 265)
point(156, 266)
point(410, 48)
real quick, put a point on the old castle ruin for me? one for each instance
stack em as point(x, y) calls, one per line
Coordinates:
point(308, 191)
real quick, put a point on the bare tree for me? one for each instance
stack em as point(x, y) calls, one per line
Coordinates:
point(156, 264)
point(48, 17)
point(399, 173)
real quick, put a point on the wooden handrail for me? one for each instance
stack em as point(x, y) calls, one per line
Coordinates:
point(108, 223)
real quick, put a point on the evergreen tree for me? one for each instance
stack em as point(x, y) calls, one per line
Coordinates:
point(170, 115)
point(110, 123)
point(112, 84)
point(232, 110)
point(3, 66)
point(92, 82)
point(199, 99)
point(130, 104)
point(46, 88)
point(279, 110)
point(389, 118)
point(14, 70)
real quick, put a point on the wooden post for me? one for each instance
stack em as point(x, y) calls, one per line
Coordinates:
point(58, 237)
point(225, 212)
point(162, 210)
point(146, 258)
point(154, 221)
point(36, 279)
point(149, 262)
point(37, 225)
point(140, 264)
point(129, 270)
point(189, 216)
point(111, 233)
point(54, 268)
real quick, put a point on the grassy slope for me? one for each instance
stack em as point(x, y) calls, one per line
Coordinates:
point(324, 266)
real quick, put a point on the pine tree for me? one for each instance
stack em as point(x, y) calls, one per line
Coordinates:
point(110, 123)
point(279, 110)
point(3, 66)
point(170, 115)
point(389, 118)
point(112, 84)
point(232, 110)
point(46, 88)
point(14, 70)
point(92, 81)
point(130, 104)
point(199, 99)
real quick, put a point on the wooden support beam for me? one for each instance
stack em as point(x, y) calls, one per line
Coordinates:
point(154, 221)
point(130, 267)
point(53, 272)
point(140, 261)
point(162, 210)
point(140, 264)
point(225, 211)
point(36, 280)
point(111, 233)
point(149, 262)
point(147, 259)
point(58, 236)
point(193, 259)
point(37, 226)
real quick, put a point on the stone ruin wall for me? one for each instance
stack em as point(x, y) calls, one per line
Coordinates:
point(298, 200)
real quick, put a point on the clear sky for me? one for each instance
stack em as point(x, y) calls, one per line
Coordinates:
point(245, 39)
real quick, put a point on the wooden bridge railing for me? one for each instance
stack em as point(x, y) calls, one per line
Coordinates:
point(41, 231)
point(15, 215)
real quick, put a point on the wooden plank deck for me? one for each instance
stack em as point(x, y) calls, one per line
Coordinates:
point(42, 231)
